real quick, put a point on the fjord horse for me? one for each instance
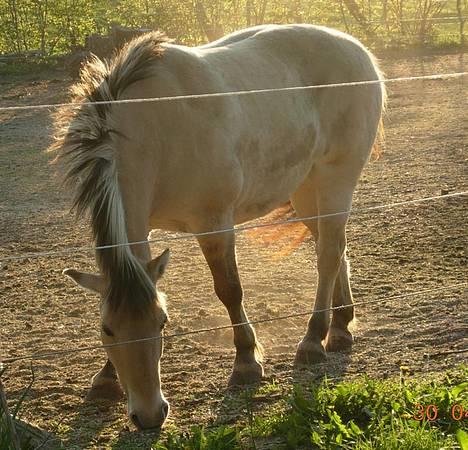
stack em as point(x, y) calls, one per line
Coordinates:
point(206, 164)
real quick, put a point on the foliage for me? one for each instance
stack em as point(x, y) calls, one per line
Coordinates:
point(371, 414)
point(50, 27)
point(363, 414)
point(223, 437)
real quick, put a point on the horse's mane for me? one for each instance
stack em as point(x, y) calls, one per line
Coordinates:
point(85, 149)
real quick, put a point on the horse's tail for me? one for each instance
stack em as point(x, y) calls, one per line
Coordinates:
point(85, 148)
point(379, 144)
point(284, 238)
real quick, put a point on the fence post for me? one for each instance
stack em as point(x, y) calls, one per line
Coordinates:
point(10, 424)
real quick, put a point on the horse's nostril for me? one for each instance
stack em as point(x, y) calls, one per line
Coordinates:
point(136, 421)
point(165, 410)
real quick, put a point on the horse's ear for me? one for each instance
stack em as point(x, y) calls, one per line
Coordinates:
point(157, 266)
point(89, 281)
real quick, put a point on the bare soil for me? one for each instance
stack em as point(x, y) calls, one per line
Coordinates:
point(392, 251)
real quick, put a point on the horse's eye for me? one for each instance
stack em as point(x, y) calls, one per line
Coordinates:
point(107, 331)
point(164, 322)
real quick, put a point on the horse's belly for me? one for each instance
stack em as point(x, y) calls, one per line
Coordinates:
point(270, 185)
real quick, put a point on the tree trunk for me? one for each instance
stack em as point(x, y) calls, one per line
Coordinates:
point(261, 13)
point(385, 14)
point(14, 18)
point(248, 13)
point(212, 31)
point(343, 16)
point(42, 12)
point(461, 21)
point(359, 16)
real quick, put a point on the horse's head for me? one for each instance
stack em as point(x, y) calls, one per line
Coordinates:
point(137, 364)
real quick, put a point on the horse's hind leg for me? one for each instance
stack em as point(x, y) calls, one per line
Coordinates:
point(219, 251)
point(327, 191)
point(339, 337)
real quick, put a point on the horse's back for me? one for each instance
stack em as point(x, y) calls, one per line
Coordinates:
point(250, 152)
point(236, 37)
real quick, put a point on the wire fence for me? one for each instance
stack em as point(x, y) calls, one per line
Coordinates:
point(47, 354)
point(57, 353)
point(230, 229)
point(238, 229)
point(419, 19)
point(438, 76)
point(226, 94)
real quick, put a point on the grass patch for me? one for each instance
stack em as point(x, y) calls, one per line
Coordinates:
point(222, 437)
point(363, 414)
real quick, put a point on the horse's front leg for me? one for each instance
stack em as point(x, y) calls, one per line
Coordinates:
point(219, 251)
point(105, 384)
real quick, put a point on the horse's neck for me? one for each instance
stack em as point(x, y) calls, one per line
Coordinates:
point(137, 232)
point(141, 251)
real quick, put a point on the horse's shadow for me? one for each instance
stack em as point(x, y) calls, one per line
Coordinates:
point(94, 416)
point(136, 439)
point(237, 404)
point(91, 418)
point(243, 403)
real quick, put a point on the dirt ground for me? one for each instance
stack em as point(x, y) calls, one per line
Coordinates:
point(392, 251)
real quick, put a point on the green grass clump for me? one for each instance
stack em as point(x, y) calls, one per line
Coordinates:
point(370, 414)
point(220, 438)
point(362, 414)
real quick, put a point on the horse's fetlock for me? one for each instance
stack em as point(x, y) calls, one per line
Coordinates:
point(339, 339)
point(246, 373)
point(309, 352)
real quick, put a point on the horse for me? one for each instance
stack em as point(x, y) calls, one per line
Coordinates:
point(206, 164)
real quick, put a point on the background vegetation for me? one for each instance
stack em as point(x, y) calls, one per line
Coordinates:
point(51, 27)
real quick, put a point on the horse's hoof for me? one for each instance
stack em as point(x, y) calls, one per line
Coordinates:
point(110, 391)
point(309, 353)
point(338, 340)
point(246, 374)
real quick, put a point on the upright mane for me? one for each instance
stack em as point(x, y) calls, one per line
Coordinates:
point(85, 149)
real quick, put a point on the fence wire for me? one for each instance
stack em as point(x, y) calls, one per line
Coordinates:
point(45, 355)
point(240, 228)
point(52, 354)
point(438, 76)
